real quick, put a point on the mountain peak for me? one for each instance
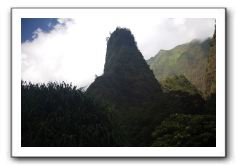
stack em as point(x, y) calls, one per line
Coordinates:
point(121, 37)
point(127, 78)
point(122, 51)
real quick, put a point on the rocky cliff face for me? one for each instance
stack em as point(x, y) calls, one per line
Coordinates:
point(211, 68)
point(210, 77)
point(127, 79)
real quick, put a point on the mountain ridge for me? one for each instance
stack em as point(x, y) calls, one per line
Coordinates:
point(189, 59)
point(129, 86)
point(127, 77)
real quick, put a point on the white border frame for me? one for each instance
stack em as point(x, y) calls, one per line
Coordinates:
point(219, 151)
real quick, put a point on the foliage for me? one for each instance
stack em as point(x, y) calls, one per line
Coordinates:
point(180, 95)
point(211, 104)
point(138, 100)
point(188, 59)
point(56, 114)
point(178, 83)
point(183, 102)
point(130, 86)
point(210, 77)
point(181, 130)
point(126, 106)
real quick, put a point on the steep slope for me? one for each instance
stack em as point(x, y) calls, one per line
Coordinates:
point(210, 78)
point(189, 59)
point(129, 86)
point(182, 96)
point(127, 79)
point(178, 83)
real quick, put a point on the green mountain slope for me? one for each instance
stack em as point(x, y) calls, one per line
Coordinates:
point(188, 59)
point(127, 106)
point(182, 96)
point(178, 83)
point(210, 77)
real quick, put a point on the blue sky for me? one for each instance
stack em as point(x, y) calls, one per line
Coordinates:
point(30, 25)
point(73, 49)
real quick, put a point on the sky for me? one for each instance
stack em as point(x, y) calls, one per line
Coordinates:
point(30, 25)
point(73, 49)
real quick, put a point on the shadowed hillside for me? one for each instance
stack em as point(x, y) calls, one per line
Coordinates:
point(127, 79)
point(210, 77)
point(130, 86)
point(127, 106)
point(181, 130)
point(60, 115)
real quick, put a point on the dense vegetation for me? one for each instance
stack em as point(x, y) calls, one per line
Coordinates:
point(61, 115)
point(210, 77)
point(186, 131)
point(189, 59)
point(126, 106)
point(178, 83)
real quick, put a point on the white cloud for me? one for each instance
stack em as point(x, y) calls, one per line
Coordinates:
point(62, 55)
point(74, 51)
